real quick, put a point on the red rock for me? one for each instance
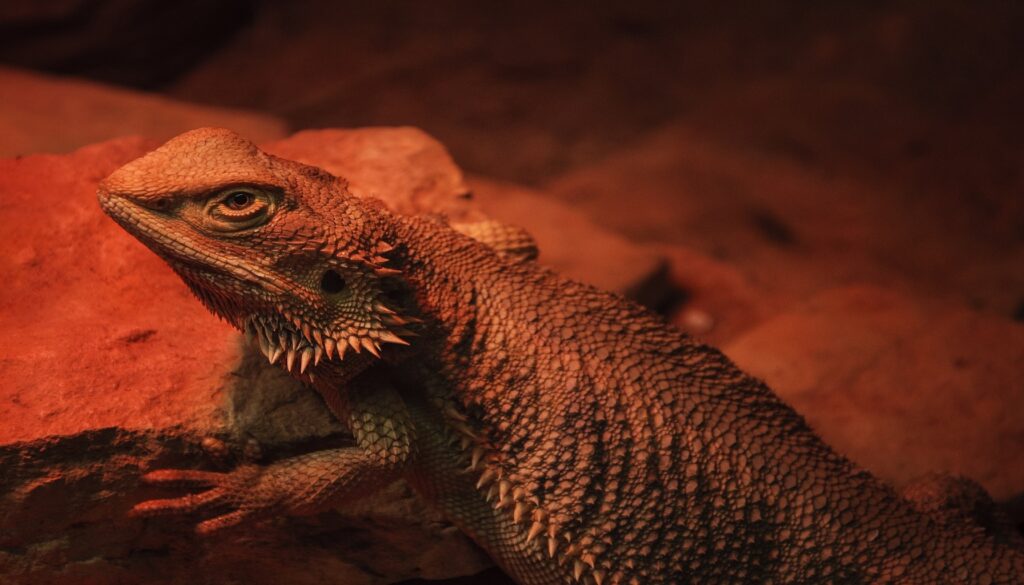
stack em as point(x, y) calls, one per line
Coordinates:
point(404, 166)
point(794, 228)
point(86, 332)
point(902, 387)
point(713, 300)
point(43, 113)
point(572, 244)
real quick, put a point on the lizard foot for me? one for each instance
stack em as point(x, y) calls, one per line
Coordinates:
point(250, 492)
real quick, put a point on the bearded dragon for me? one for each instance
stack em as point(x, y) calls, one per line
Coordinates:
point(575, 436)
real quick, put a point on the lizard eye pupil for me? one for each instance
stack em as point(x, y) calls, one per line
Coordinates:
point(332, 282)
point(239, 200)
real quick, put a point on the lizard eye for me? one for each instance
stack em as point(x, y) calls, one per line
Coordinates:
point(239, 208)
point(239, 200)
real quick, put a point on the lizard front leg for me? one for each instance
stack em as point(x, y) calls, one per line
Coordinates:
point(304, 484)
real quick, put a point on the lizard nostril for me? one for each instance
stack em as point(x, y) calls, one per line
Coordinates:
point(332, 282)
point(158, 204)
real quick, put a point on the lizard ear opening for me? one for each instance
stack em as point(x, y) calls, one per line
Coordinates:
point(332, 283)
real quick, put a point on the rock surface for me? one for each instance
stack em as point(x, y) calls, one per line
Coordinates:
point(709, 298)
point(112, 368)
point(405, 167)
point(793, 228)
point(43, 113)
point(902, 387)
point(574, 245)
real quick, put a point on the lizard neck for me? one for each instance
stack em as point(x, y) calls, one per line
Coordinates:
point(440, 267)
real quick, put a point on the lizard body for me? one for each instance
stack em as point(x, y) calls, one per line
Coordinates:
point(572, 434)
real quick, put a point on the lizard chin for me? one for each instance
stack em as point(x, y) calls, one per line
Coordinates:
point(302, 345)
point(277, 339)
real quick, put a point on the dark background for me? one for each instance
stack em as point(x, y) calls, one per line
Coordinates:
point(525, 90)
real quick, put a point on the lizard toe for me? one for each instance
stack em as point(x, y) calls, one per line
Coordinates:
point(188, 504)
point(221, 523)
point(185, 478)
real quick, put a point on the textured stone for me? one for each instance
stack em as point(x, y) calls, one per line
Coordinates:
point(572, 244)
point(113, 368)
point(794, 227)
point(709, 298)
point(903, 388)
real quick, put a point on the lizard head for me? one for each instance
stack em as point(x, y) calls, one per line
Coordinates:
point(276, 248)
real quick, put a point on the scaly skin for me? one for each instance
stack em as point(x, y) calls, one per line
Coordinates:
point(602, 445)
